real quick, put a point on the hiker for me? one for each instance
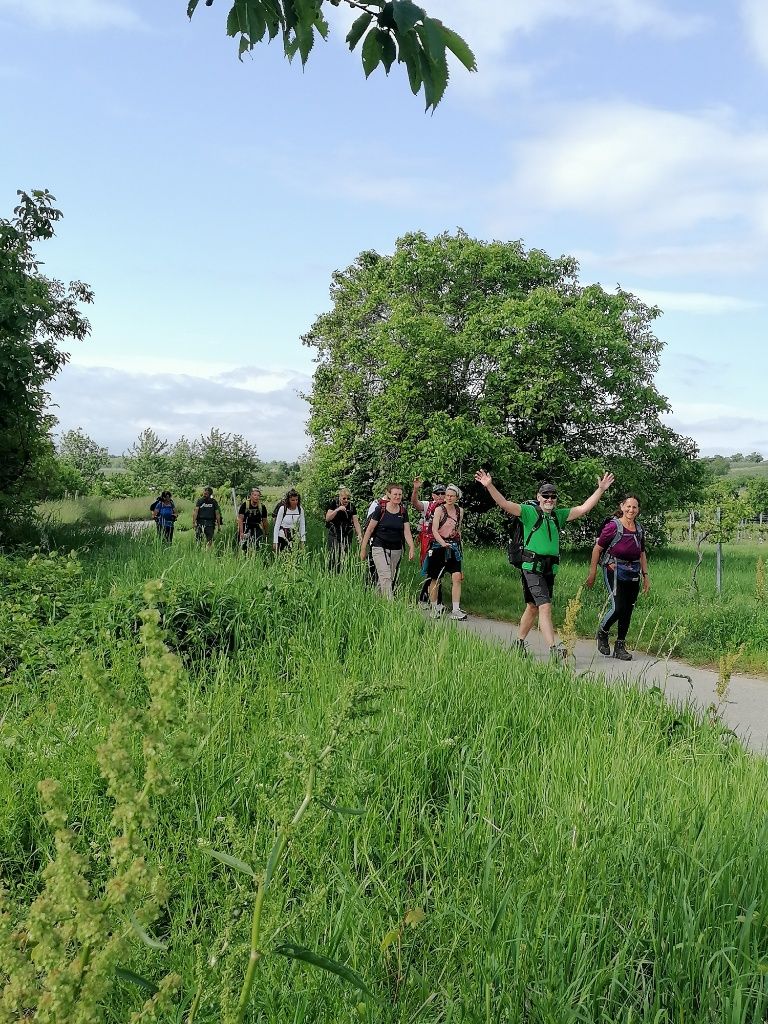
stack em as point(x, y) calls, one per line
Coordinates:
point(371, 577)
point(541, 551)
point(620, 551)
point(444, 555)
point(289, 519)
point(252, 521)
point(426, 510)
point(164, 513)
point(206, 517)
point(341, 522)
point(388, 528)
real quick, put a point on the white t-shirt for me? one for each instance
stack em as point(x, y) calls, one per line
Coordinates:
point(289, 519)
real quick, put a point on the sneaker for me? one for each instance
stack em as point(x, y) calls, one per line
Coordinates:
point(558, 653)
point(520, 647)
point(603, 643)
point(436, 611)
point(440, 609)
point(458, 614)
point(620, 651)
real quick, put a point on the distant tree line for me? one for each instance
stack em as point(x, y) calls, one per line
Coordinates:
point(151, 464)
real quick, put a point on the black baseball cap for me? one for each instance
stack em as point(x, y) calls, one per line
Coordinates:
point(548, 491)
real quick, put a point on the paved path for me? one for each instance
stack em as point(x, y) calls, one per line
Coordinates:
point(746, 711)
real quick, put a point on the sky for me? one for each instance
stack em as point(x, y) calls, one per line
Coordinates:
point(208, 201)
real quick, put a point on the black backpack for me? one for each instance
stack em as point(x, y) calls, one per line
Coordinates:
point(518, 542)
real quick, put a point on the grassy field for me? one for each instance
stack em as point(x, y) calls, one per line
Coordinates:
point(475, 838)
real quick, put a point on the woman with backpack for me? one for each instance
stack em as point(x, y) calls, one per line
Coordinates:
point(620, 551)
point(387, 530)
point(289, 520)
point(444, 555)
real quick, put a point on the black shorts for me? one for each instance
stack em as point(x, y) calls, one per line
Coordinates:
point(441, 560)
point(538, 587)
point(205, 528)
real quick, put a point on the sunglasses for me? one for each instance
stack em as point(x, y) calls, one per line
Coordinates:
point(549, 497)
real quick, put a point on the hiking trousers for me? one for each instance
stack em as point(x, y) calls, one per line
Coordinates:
point(387, 562)
point(622, 596)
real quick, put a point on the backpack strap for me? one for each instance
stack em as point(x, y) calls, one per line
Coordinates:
point(617, 536)
point(534, 528)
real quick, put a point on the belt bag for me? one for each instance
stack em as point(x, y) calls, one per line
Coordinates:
point(627, 572)
point(541, 563)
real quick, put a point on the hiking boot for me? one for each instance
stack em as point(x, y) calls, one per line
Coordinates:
point(520, 647)
point(437, 611)
point(603, 643)
point(558, 653)
point(620, 651)
point(458, 614)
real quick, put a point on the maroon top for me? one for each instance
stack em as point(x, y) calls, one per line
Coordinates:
point(628, 548)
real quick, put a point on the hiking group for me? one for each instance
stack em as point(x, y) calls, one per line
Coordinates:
point(534, 547)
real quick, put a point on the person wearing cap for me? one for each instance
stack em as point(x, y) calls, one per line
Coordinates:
point(445, 554)
point(542, 525)
point(206, 517)
point(426, 510)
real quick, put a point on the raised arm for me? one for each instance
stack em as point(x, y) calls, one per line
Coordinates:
point(603, 484)
point(415, 500)
point(509, 506)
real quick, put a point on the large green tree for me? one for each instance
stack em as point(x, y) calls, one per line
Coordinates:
point(82, 454)
point(454, 353)
point(37, 314)
point(387, 31)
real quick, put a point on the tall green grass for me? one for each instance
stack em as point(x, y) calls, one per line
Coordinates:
point(522, 846)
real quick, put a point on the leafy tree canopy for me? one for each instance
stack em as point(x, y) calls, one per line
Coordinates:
point(454, 353)
point(37, 314)
point(83, 455)
point(387, 31)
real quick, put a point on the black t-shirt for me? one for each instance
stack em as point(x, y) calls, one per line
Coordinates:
point(391, 529)
point(253, 516)
point(207, 510)
point(341, 524)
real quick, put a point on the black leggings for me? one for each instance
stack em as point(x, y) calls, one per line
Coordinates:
point(621, 602)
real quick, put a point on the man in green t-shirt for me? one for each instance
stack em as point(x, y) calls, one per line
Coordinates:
point(541, 550)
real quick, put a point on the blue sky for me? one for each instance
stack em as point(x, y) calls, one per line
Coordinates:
point(208, 201)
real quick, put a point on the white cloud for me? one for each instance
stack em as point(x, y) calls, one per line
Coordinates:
point(755, 17)
point(73, 14)
point(113, 406)
point(719, 428)
point(644, 169)
point(704, 303)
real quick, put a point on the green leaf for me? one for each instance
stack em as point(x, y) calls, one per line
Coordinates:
point(371, 52)
point(305, 37)
point(388, 48)
point(136, 979)
point(257, 24)
point(236, 19)
point(406, 14)
point(427, 71)
point(338, 809)
point(386, 17)
point(409, 53)
point(191, 7)
point(459, 49)
point(307, 956)
point(230, 861)
point(431, 36)
point(144, 935)
point(392, 936)
point(359, 27)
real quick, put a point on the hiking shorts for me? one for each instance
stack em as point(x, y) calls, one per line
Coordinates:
point(441, 560)
point(538, 587)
